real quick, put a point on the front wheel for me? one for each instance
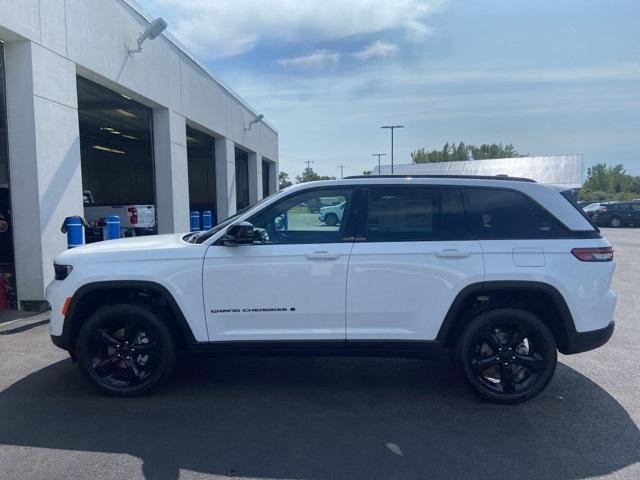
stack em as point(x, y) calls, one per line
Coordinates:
point(125, 349)
point(615, 222)
point(506, 355)
point(331, 219)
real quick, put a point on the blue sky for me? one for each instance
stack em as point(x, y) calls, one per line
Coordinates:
point(551, 77)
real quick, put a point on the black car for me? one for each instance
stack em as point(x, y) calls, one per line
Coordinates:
point(616, 214)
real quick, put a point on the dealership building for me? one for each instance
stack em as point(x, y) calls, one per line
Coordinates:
point(80, 112)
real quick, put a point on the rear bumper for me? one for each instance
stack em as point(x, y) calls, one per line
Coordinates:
point(585, 341)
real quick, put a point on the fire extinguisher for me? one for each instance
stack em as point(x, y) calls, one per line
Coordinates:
point(3, 293)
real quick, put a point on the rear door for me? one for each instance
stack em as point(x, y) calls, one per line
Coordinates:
point(412, 256)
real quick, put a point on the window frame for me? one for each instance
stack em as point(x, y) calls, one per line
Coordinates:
point(349, 214)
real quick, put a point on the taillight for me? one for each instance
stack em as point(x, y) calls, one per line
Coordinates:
point(133, 215)
point(594, 254)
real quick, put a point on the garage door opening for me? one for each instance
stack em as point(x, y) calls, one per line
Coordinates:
point(116, 145)
point(242, 179)
point(7, 266)
point(201, 160)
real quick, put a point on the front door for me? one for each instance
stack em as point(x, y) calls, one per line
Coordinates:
point(412, 257)
point(290, 283)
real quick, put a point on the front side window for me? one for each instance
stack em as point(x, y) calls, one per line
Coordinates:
point(315, 216)
point(498, 214)
point(403, 214)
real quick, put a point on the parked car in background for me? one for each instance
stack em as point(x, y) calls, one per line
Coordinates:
point(332, 215)
point(591, 208)
point(616, 214)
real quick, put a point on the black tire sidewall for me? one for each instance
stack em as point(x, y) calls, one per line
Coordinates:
point(613, 219)
point(495, 317)
point(143, 314)
point(331, 219)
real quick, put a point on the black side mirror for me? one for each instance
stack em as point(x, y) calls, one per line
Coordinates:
point(239, 234)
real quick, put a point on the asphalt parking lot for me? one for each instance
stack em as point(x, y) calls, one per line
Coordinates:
point(325, 418)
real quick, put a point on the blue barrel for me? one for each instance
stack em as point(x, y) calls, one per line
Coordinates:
point(195, 221)
point(113, 227)
point(74, 232)
point(206, 220)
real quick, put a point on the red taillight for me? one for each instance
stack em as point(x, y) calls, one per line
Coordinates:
point(594, 254)
point(133, 215)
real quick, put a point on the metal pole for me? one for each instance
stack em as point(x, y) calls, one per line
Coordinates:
point(341, 171)
point(392, 128)
point(379, 164)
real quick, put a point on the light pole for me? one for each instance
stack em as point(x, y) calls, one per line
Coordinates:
point(341, 172)
point(392, 128)
point(379, 155)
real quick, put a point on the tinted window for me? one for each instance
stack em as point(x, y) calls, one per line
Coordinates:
point(316, 216)
point(497, 213)
point(403, 214)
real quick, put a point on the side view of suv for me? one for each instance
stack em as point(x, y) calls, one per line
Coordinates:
point(616, 214)
point(500, 272)
point(332, 215)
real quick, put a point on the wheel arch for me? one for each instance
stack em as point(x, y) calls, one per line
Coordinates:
point(91, 296)
point(540, 298)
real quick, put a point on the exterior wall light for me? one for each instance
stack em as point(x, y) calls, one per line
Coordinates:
point(154, 29)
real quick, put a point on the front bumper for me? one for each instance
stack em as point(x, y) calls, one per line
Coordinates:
point(584, 341)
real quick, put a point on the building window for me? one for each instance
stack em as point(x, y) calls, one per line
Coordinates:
point(242, 179)
point(265, 179)
point(202, 177)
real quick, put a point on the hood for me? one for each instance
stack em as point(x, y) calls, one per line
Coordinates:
point(126, 248)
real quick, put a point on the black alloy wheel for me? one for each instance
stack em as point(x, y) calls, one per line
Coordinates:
point(615, 222)
point(507, 355)
point(331, 219)
point(125, 349)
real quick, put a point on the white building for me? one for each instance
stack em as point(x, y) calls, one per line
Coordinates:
point(81, 113)
point(560, 170)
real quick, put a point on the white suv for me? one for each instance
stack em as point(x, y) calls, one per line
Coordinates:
point(501, 272)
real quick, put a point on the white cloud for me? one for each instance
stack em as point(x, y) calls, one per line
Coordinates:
point(317, 59)
point(376, 49)
point(224, 28)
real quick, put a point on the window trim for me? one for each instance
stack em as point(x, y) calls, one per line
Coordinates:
point(349, 215)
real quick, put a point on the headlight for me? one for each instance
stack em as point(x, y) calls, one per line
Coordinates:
point(62, 271)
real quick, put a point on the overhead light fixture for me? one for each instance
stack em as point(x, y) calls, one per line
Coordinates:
point(154, 29)
point(125, 113)
point(107, 149)
point(192, 139)
point(115, 132)
point(130, 137)
point(124, 96)
point(107, 129)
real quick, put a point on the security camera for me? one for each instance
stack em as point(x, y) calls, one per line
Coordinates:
point(154, 29)
point(254, 121)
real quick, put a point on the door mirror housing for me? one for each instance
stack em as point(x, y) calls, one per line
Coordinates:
point(239, 234)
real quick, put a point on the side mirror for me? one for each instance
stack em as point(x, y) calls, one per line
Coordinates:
point(238, 234)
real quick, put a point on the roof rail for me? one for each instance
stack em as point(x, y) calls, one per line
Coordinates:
point(481, 177)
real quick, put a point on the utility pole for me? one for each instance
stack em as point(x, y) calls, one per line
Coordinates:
point(308, 162)
point(341, 167)
point(392, 128)
point(379, 155)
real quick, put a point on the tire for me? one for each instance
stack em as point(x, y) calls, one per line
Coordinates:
point(517, 336)
point(331, 219)
point(615, 222)
point(125, 349)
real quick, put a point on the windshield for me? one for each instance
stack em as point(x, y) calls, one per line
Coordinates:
point(200, 238)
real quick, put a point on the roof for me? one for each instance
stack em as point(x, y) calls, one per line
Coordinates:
point(137, 8)
point(560, 170)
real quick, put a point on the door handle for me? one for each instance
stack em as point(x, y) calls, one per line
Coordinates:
point(324, 255)
point(452, 253)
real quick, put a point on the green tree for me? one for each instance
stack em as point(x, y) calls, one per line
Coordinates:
point(606, 182)
point(283, 180)
point(460, 152)
point(366, 172)
point(309, 175)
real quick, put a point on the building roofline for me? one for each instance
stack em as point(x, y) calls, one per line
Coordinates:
point(136, 8)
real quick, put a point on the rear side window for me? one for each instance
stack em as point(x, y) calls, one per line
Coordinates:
point(403, 214)
point(498, 214)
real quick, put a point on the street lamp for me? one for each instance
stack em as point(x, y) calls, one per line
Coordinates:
point(392, 128)
point(379, 155)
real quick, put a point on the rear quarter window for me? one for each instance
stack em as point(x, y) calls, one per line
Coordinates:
point(506, 214)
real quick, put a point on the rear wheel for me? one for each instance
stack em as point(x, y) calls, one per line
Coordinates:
point(331, 219)
point(615, 222)
point(125, 349)
point(506, 355)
